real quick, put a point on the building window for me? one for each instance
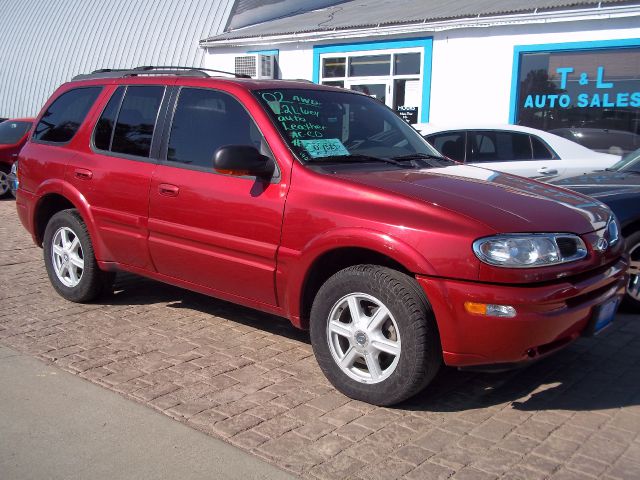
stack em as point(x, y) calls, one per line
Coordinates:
point(581, 93)
point(392, 72)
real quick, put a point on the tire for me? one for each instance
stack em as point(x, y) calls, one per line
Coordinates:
point(632, 298)
point(392, 358)
point(70, 261)
point(5, 191)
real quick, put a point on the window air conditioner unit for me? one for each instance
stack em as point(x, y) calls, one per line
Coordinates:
point(256, 65)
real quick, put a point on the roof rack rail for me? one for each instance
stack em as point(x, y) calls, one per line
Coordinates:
point(153, 70)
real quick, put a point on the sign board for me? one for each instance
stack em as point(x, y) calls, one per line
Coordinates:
point(408, 114)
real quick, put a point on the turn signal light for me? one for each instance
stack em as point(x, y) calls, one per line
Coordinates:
point(490, 310)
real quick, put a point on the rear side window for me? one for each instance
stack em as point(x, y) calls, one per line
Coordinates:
point(494, 146)
point(540, 150)
point(205, 120)
point(64, 116)
point(135, 122)
point(12, 132)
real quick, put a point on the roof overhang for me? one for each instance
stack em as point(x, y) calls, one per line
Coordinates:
point(237, 39)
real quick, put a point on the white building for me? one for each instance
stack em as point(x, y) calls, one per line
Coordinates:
point(545, 64)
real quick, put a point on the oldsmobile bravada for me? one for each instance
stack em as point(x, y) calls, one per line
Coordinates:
point(319, 205)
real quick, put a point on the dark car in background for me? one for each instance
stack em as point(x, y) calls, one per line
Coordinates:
point(615, 142)
point(618, 187)
point(13, 136)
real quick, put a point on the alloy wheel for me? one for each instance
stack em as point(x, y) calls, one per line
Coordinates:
point(364, 338)
point(67, 257)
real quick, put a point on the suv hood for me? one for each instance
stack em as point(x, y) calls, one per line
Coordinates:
point(504, 203)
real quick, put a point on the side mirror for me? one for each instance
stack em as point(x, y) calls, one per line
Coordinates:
point(242, 160)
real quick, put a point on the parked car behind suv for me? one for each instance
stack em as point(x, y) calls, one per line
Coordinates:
point(515, 149)
point(618, 187)
point(13, 135)
point(319, 205)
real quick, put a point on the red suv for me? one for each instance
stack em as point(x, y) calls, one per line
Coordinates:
point(13, 136)
point(319, 205)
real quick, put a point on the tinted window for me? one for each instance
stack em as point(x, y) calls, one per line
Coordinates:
point(205, 120)
point(369, 65)
point(65, 115)
point(493, 146)
point(104, 127)
point(136, 121)
point(406, 63)
point(333, 67)
point(450, 144)
point(540, 149)
point(12, 132)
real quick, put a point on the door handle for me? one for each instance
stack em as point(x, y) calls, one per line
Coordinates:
point(547, 170)
point(168, 190)
point(83, 174)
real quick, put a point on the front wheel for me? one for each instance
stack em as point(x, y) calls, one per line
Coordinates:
point(70, 261)
point(633, 289)
point(374, 335)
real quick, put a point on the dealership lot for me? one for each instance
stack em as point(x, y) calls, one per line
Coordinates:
point(252, 380)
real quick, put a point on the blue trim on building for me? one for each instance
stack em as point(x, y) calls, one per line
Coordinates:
point(266, 52)
point(425, 43)
point(557, 47)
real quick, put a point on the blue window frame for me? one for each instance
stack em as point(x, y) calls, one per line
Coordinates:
point(426, 44)
point(564, 98)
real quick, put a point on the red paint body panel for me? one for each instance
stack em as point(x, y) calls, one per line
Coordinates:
point(255, 242)
point(547, 313)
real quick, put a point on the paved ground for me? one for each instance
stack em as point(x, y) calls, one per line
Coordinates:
point(251, 379)
point(57, 426)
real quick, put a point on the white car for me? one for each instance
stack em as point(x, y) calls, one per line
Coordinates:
point(514, 149)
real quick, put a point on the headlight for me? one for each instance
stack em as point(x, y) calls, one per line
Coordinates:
point(613, 230)
point(529, 249)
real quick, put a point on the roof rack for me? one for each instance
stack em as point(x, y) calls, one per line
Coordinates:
point(154, 70)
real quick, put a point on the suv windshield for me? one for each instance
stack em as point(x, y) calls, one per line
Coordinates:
point(333, 126)
point(11, 132)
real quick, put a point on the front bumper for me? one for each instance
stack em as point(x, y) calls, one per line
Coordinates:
point(549, 316)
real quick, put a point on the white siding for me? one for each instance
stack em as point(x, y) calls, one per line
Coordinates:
point(471, 68)
point(45, 43)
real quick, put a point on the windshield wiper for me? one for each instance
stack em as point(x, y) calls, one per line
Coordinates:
point(433, 161)
point(420, 156)
point(355, 159)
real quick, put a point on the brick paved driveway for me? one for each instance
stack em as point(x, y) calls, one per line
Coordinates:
point(251, 379)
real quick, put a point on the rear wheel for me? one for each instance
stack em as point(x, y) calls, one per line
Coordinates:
point(374, 335)
point(4, 181)
point(633, 289)
point(70, 261)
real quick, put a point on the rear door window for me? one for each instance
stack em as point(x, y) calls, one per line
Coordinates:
point(450, 144)
point(497, 146)
point(136, 120)
point(64, 116)
point(103, 134)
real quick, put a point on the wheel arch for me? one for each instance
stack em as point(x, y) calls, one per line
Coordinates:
point(53, 201)
point(337, 250)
